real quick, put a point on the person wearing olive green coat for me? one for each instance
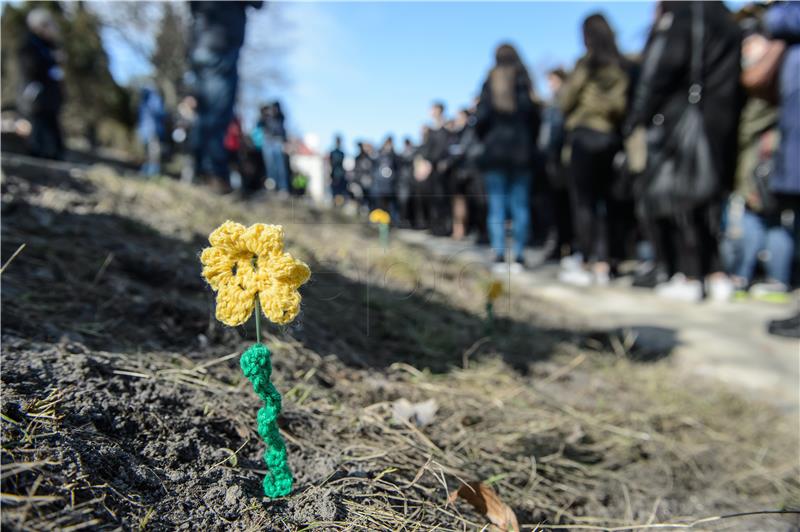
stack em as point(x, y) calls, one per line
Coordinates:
point(593, 100)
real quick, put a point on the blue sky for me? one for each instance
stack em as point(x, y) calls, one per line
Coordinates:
point(366, 69)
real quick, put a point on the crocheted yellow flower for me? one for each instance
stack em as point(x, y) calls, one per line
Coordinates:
point(245, 262)
point(379, 216)
point(494, 290)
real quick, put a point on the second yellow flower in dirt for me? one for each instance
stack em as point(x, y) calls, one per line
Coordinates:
point(248, 262)
point(379, 216)
point(494, 290)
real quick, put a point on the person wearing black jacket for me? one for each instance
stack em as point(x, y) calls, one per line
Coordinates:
point(464, 176)
point(685, 238)
point(405, 183)
point(274, 154)
point(556, 193)
point(338, 174)
point(385, 178)
point(363, 174)
point(436, 191)
point(42, 96)
point(507, 122)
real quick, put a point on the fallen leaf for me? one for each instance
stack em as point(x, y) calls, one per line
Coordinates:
point(484, 499)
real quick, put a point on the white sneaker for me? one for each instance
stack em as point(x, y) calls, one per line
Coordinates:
point(679, 288)
point(572, 262)
point(771, 292)
point(720, 288)
point(577, 277)
point(500, 268)
point(602, 278)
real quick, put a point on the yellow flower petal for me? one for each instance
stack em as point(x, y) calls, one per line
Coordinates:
point(279, 302)
point(285, 269)
point(495, 290)
point(263, 239)
point(245, 263)
point(235, 303)
point(217, 266)
point(379, 216)
point(227, 236)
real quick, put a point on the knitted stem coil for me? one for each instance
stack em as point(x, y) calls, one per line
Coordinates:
point(257, 367)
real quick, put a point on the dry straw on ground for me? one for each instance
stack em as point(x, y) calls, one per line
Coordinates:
point(123, 405)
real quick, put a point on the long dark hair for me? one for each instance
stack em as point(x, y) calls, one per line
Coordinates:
point(601, 44)
point(504, 77)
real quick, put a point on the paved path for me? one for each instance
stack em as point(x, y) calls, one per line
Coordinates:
point(725, 341)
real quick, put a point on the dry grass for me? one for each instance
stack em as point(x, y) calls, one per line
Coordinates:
point(568, 430)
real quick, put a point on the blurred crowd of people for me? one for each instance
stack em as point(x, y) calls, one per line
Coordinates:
point(683, 160)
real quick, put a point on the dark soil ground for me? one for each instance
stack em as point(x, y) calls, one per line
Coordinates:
point(123, 406)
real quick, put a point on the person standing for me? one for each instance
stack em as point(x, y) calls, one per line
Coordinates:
point(593, 100)
point(691, 70)
point(385, 179)
point(507, 122)
point(551, 143)
point(782, 21)
point(151, 128)
point(435, 151)
point(42, 97)
point(754, 225)
point(338, 174)
point(363, 174)
point(273, 141)
point(463, 174)
point(216, 38)
point(405, 183)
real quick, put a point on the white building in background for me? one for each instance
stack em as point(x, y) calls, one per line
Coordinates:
point(306, 159)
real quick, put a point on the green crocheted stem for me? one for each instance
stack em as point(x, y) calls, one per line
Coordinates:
point(257, 367)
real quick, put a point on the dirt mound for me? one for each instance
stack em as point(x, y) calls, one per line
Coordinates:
point(123, 404)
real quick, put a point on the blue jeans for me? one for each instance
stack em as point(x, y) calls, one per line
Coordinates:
point(760, 233)
point(508, 193)
point(276, 166)
point(215, 83)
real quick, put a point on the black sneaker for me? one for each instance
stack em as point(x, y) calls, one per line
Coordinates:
point(789, 328)
point(649, 276)
point(518, 265)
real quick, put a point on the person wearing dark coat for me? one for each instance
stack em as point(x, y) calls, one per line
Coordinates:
point(405, 183)
point(338, 174)
point(42, 97)
point(435, 188)
point(685, 240)
point(384, 182)
point(363, 174)
point(274, 139)
point(507, 123)
point(216, 38)
point(556, 195)
point(468, 209)
point(782, 21)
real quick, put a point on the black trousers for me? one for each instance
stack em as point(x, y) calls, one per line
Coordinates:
point(441, 208)
point(687, 242)
point(590, 174)
point(46, 140)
